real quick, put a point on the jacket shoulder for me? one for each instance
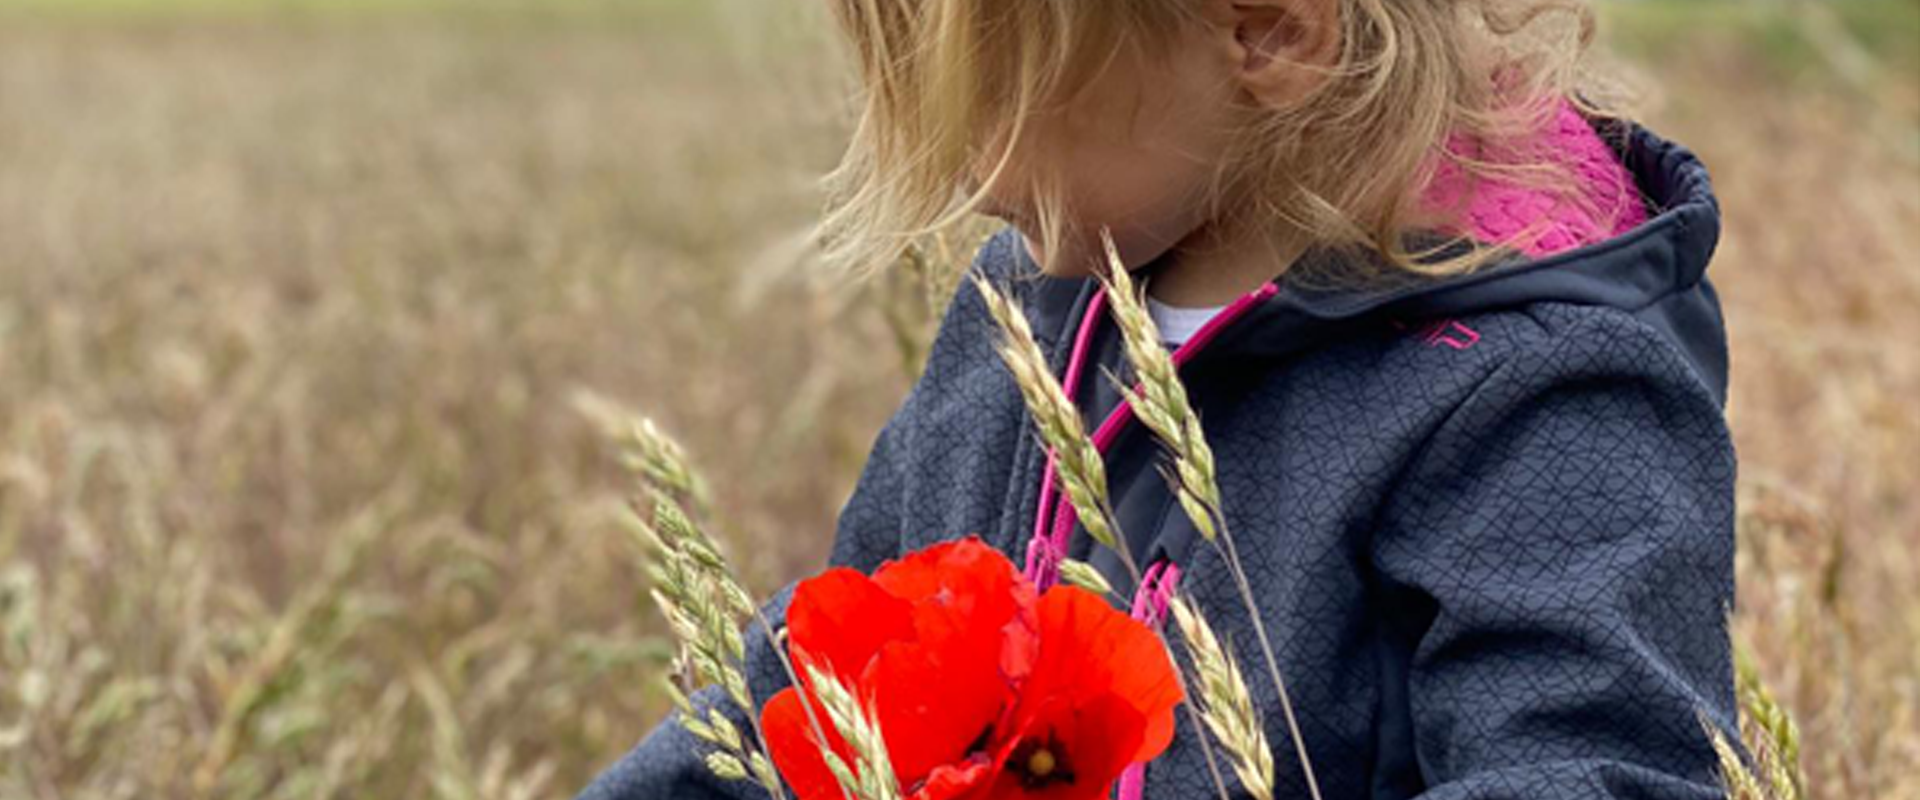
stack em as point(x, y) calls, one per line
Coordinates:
point(1578, 342)
point(1566, 341)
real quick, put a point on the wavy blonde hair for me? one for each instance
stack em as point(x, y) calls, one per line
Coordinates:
point(1417, 85)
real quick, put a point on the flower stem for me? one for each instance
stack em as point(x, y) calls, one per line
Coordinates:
point(1224, 543)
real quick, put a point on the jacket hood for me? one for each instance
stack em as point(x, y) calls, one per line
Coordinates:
point(1657, 272)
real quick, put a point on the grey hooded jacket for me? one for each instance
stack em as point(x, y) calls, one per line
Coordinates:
point(1489, 519)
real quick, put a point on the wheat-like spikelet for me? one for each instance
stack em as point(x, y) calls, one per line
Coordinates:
point(1775, 739)
point(694, 587)
point(1161, 404)
point(734, 757)
point(1225, 704)
point(1160, 401)
point(871, 776)
point(1740, 782)
point(659, 460)
point(1085, 576)
point(1083, 474)
point(1770, 736)
point(704, 606)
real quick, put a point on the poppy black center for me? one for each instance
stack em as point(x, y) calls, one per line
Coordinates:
point(1041, 764)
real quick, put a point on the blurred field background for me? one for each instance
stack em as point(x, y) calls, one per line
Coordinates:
point(297, 301)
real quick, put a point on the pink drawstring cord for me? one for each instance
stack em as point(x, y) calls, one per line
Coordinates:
point(1055, 519)
point(1043, 559)
point(1150, 604)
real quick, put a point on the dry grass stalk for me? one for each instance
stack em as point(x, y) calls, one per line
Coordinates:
point(644, 449)
point(1738, 780)
point(1082, 471)
point(1224, 702)
point(912, 295)
point(260, 683)
point(696, 591)
point(705, 607)
point(1161, 404)
point(1160, 401)
point(704, 611)
point(733, 757)
point(871, 776)
point(1085, 576)
point(1770, 736)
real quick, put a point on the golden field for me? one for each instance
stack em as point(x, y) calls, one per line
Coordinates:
point(298, 300)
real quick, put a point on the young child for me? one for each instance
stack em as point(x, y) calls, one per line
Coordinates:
point(1448, 331)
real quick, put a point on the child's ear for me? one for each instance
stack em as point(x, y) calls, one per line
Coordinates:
point(1282, 49)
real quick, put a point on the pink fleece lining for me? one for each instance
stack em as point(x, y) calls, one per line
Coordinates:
point(1542, 223)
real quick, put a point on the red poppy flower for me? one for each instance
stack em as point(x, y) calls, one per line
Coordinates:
point(937, 641)
point(1100, 697)
point(981, 691)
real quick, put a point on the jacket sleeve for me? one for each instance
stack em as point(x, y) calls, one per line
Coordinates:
point(1570, 530)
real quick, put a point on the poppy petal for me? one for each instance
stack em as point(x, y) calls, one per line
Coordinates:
point(1139, 670)
point(952, 781)
point(796, 751)
point(934, 705)
point(958, 585)
point(841, 619)
point(1095, 661)
point(937, 696)
point(937, 640)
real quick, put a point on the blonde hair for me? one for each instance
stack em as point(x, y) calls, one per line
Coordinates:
point(1418, 86)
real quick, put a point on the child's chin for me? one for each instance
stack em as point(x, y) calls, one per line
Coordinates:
point(1076, 256)
point(1074, 264)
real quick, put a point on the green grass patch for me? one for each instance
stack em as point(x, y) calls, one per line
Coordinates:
point(1786, 39)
